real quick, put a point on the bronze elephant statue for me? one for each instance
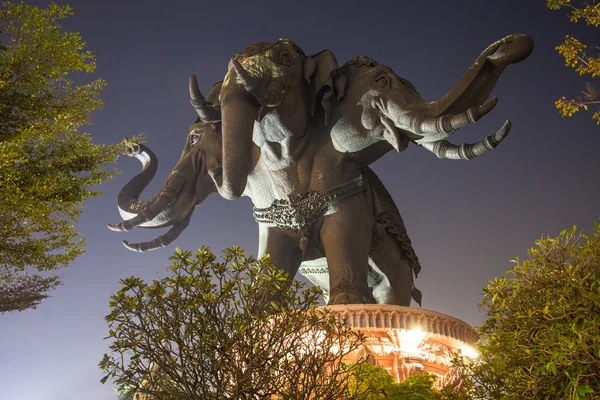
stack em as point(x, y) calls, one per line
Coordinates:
point(298, 134)
point(391, 251)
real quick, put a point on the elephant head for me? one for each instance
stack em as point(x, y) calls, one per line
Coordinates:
point(380, 105)
point(188, 184)
point(274, 78)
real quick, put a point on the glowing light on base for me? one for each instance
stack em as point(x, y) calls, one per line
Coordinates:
point(407, 341)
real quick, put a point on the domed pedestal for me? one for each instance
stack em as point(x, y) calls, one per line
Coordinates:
point(407, 341)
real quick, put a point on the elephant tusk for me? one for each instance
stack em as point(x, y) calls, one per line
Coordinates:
point(115, 227)
point(445, 149)
point(439, 128)
point(251, 84)
point(206, 111)
point(166, 197)
point(161, 241)
point(268, 96)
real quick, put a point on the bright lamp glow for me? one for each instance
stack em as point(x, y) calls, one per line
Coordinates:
point(470, 352)
point(411, 340)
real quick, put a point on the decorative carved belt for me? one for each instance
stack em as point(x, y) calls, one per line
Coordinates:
point(300, 212)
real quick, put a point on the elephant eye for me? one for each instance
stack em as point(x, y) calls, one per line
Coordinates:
point(382, 81)
point(194, 137)
point(285, 59)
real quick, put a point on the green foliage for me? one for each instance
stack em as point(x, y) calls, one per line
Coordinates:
point(126, 393)
point(581, 57)
point(370, 382)
point(46, 165)
point(231, 329)
point(417, 387)
point(542, 335)
point(374, 382)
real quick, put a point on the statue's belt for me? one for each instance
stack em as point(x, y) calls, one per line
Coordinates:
point(300, 212)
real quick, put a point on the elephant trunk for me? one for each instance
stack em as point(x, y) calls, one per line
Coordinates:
point(479, 80)
point(239, 111)
point(128, 197)
point(153, 212)
point(244, 93)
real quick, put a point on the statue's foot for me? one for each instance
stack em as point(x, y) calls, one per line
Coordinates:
point(351, 297)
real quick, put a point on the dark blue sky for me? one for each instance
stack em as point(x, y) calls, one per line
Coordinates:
point(466, 219)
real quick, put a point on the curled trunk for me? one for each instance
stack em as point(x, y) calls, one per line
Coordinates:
point(127, 201)
point(163, 209)
point(477, 83)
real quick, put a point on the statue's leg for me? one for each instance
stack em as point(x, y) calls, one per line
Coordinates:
point(388, 258)
point(346, 238)
point(282, 246)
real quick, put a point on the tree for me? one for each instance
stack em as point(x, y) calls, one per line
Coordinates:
point(541, 338)
point(370, 382)
point(373, 381)
point(46, 165)
point(585, 59)
point(235, 329)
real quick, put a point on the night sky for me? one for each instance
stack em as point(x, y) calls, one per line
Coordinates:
point(466, 219)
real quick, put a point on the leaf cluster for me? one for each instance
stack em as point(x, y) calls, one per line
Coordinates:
point(588, 11)
point(579, 56)
point(542, 335)
point(46, 165)
point(373, 382)
point(237, 328)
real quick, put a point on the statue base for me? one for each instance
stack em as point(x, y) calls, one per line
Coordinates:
point(407, 341)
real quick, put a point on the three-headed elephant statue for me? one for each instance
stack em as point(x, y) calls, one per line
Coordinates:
point(392, 259)
point(297, 135)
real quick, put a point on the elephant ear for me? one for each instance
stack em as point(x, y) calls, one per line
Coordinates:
point(325, 79)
